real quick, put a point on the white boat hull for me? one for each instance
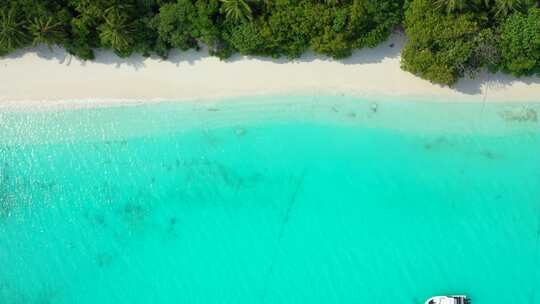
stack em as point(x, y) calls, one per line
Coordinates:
point(457, 299)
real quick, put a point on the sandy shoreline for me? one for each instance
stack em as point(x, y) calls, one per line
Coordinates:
point(45, 78)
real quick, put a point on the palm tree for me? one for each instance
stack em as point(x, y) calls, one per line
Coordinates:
point(46, 31)
point(486, 3)
point(236, 10)
point(12, 34)
point(116, 30)
point(505, 7)
point(482, 5)
point(451, 5)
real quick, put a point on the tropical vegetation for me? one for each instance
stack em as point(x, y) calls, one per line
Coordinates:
point(447, 39)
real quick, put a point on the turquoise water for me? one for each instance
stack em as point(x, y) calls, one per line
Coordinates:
point(297, 199)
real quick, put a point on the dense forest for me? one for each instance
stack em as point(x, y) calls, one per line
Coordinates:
point(447, 39)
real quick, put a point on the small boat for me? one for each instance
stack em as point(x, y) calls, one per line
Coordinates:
point(460, 299)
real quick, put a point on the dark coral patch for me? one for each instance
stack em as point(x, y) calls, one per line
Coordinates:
point(104, 259)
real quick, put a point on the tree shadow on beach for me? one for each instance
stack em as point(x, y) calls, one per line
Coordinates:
point(389, 49)
point(44, 52)
point(488, 81)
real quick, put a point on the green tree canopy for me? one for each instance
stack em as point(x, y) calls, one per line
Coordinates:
point(520, 43)
point(46, 30)
point(440, 45)
point(12, 32)
point(116, 31)
point(236, 10)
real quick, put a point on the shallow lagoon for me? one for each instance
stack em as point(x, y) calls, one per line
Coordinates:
point(297, 199)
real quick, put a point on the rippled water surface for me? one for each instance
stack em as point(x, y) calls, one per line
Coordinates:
point(295, 199)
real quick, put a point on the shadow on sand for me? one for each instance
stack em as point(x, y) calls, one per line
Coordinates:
point(388, 50)
point(473, 86)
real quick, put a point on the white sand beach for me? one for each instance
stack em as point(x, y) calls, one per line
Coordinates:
point(40, 77)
